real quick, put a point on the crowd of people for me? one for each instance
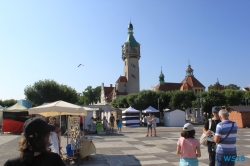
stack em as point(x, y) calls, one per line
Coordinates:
point(221, 136)
point(40, 143)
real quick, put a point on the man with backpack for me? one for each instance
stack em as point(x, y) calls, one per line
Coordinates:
point(209, 129)
point(112, 122)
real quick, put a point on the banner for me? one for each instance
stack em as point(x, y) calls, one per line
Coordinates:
point(74, 132)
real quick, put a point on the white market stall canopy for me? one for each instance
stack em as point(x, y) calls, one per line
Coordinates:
point(16, 108)
point(58, 108)
point(130, 110)
point(150, 110)
point(131, 117)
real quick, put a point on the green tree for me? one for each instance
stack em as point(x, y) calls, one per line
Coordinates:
point(210, 87)
point(121, 102)
point(182, 99)
point(145, 99)
point(233, 97)
point(49, 91)
point(131, 99)
point(211, 99)
point(8, 103)
point(232, 86)
point(97, 92)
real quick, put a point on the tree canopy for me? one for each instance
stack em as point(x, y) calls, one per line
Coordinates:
point(49, 91)
point(8, 103)
point(90, 96)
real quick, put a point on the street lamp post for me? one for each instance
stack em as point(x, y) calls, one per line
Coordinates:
point(199, 111)
point(159, 108)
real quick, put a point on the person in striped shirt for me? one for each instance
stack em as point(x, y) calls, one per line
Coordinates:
point(226, 149)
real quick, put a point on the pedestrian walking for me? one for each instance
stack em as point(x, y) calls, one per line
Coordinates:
point(119, 123)
point(209, 129)
point(149, 124)
point(225, 137)
point(112, 122)
point(154, 124)
point(188, 147)
point(33, 146)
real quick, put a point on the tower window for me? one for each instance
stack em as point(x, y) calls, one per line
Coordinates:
point(125, 63)
point(124, 85)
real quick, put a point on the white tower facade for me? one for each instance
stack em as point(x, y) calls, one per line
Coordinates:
point(131, 57)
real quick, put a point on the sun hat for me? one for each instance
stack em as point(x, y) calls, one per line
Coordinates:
point(216, 109)
point(188, 127)
point(35, 127)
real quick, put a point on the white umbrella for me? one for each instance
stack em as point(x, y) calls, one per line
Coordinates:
point(58, 108)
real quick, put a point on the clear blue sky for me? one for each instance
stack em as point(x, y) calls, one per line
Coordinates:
point(49, 39)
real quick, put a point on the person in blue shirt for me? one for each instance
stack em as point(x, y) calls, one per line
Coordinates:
point(226, 149)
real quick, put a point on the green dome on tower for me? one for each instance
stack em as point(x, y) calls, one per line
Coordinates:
point(161, 78)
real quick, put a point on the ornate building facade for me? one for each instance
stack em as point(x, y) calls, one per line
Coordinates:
point(130, 81)
point(188, 83)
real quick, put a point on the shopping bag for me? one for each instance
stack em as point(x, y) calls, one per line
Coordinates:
point(203, 139)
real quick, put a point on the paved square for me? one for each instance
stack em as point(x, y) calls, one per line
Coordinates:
point(133, 148)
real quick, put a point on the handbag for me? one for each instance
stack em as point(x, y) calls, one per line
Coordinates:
point(203, 138)
point(214, 146)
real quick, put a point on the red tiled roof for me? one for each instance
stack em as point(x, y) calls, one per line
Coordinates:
point(168, 86)
point(109, 96)
point(192, 81)
point(218, 87)
point(247, 89)
point(186, 86)
point(122, 79)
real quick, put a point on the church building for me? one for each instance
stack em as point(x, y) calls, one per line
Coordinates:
point(188, 83)
point(130, 81)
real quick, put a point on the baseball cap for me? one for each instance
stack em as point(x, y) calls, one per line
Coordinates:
point(188, 127)
point(35, 127)
point(216, 109)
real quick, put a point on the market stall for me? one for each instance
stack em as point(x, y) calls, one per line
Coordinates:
point(131, 117)
point(153, 111)
point(14, 118)
point(83, 146)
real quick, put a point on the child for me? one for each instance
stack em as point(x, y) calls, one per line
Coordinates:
point(119, 123)
point(188, 147)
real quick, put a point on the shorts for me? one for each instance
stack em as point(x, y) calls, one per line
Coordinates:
point(189, 161)
point(154, 125)
point(150, 126)
point(112, 125)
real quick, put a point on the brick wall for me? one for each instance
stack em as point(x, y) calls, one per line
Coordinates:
point(246, 119)
point(236, 117)
point(241, 118)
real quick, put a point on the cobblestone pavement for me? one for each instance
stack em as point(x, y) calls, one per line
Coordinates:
point(131, 147)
